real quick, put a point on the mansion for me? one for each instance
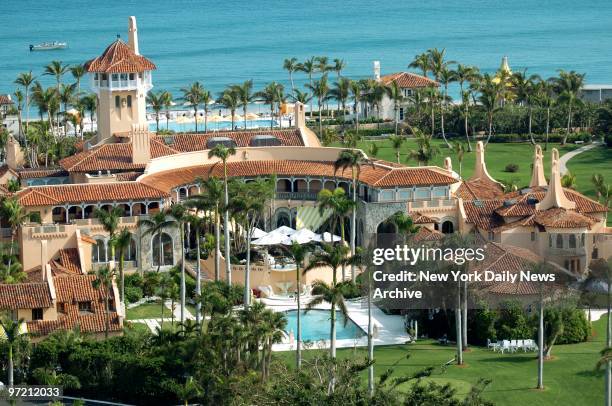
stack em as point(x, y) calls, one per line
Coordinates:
point(128, 166)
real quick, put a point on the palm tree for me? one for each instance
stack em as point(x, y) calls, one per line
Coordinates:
point(489, 100)
point(425, 152)
point(19, 99)
point(90, 102)
point(193, 96)
point(420, 61)
point(155, 226)
point(180, 216)
point(167, 103)
point(356, 91)
point(272, 94)
point(525, 88)
point(291, 66)
point(396, 94)
point(465, 74)
point(78, 71)
point(223, 153)
point(47, 102)
point(110, 222)
point(301, 97)
point(546, 99)
point(14, 214)
point(12, 273)
point(121, 244)
point(207, 99)
point(459, 150)
point(396, 143)
point(568, 85)
point(12, 331)
point(320, 90)
point(103, 283)
point(309, 67)
point(351, 158)
point(229, 99)
point(334, 257)
point(404, 224)
point(376, 92)
point(446, 76)
point(338, 67)
point(57, 69)
point(156, 101)
point(568, 180)
point(341, 92)
point(26, 79)
point(212, 196)
point(245, 96)
point(197, 223)
point(298, 253)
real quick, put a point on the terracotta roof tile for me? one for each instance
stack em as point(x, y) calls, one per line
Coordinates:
point(408, 80)
point(186, 142)
point(68, 261)
point(87, 192)
point(482, 214)
point(425, 234)
point(480, 189)
point(118, 57)
point(31, 173)
point(87, 323)
point(25, 296)
point(5, 99)
point(560, 218)
point(127, 176)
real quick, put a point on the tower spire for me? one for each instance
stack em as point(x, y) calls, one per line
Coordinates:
point(537, 174)
point(133, 35)
point(480, 170)
point(555, 196)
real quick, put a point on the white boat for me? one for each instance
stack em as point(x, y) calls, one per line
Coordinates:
point(48, 46)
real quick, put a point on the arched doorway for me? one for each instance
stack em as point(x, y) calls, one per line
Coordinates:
point(448, 227)
point(167, 254)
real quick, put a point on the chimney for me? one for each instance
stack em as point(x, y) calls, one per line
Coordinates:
point(448, 164)
point(141, 149)
point(14, 154)
point(133, 35)
point(555, 196)
point(537, 173)
point(377, 70)
point(480, 170)
point(300, 115)
point(43, 259)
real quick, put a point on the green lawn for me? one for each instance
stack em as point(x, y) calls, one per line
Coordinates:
point(584, 165)
point(147, 311)
point(497, 156)
point(569, 378)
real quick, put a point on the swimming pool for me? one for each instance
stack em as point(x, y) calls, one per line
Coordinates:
point(315, 326)
point(214, 125)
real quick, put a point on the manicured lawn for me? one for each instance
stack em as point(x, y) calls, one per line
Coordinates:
point(497, 156)
point(584, 165)
point(147, 311)
point(569, 378)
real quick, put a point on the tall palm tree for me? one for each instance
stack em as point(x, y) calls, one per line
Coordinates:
point(245, 97)
point(568, 85)
point(26, 79)
point(446, 76)
point(103, 283)
point(193, 96)
point(12, 331)
point(180, 216)
point(57, 69)
point(272, 95)
point(525, 88)
point(223, 153)
point(309, 67)
point(121, 244)
point(546, 99)
point(332, 257)
point(156, 101)
point(489, 100)
point(353, 159)
point(166, 97)
point(196, 223)
point(466, 74)
point(229, 99)
point(291, 65)
point(207, 99)
point(459, 150)
point(396, 143)
point(420, 61)
point(301, 97)
point(338, 67)
point(356, 92)
point(212, 196)
point(396, 94)
point(155, 225)
point(341, 92)
point(19, 98)
point(90, 102)
point(15, 215)
point(78, 71)
point(110, 222)
point(320, 90)
point(298, 253)
point(47, 102)
point(425, 151)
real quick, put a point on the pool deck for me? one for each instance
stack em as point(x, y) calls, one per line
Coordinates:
point(388, 329)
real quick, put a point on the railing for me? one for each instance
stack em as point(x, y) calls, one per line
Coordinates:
point(5, 233)
point(296, 195)
point(421, 204)
point(567, 252)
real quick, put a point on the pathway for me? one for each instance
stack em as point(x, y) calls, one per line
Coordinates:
point(154, 324)
point(566, 157)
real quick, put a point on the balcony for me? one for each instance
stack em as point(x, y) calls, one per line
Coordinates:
point(120, 83)
point(567, 252)
point(297, 196)
point(430, 204)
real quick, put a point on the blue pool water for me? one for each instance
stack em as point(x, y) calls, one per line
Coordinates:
point(218, 125)
point(315, 326)
point(225, 42)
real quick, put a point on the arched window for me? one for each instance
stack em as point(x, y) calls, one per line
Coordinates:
point(448, 227)
point(98, 251)
point(559, 241)
point(163, 250)
point(282, 219)
point(572, 241)
point(129, 254)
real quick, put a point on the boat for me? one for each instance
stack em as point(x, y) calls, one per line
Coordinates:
point(48, 46)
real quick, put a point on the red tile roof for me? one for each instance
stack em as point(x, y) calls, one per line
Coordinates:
point(68, 261)
point(119, 58)
point(408, 80)
point(560, 218)
point(88, 192)
point(425, 234)
point(5, 99)
point(482, 214)
point(377, 175)
point(25, 296)
point(482, 189)
point(32, 173)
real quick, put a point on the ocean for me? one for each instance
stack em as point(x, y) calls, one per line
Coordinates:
point(225, 42)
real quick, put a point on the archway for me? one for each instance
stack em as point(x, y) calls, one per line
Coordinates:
point(167, 253)
point(448, 227)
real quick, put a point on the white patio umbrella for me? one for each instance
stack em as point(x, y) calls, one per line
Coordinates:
point(303, 236)
point(257, 233)
point(327, 237)
point(271, 239)
point(284, 230)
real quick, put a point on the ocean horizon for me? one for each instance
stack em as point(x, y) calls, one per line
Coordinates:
point(229, 42)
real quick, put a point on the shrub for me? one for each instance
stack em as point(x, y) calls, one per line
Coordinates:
point(133, 294)
point(511, 168)
point(575, 327)
point(481, 326)
point(350, 290)
point(512, 322)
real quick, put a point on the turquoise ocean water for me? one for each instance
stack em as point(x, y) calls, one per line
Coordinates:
point(224, 42)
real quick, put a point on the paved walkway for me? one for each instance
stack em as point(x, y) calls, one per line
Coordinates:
point(154, 324)
point(565, 158)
